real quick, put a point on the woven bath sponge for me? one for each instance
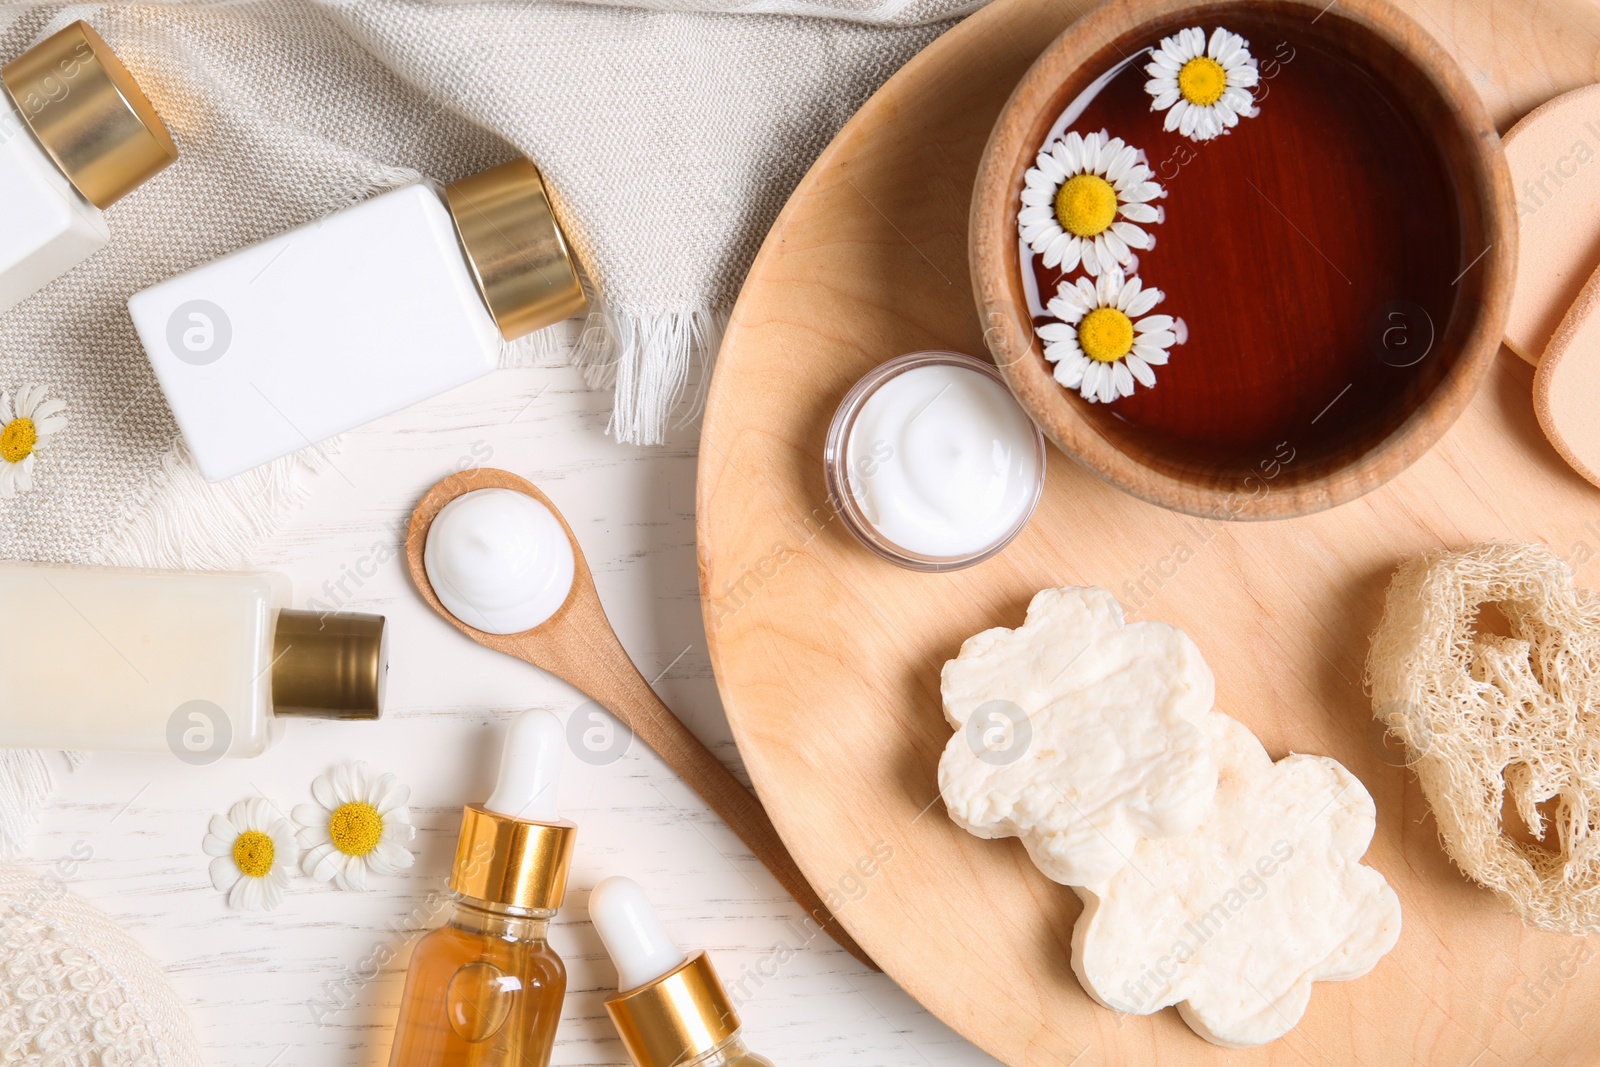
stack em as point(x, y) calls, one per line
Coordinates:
point(1484, 717)
point(75, 991)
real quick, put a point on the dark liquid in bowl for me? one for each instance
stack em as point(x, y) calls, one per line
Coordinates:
point(1311, 252)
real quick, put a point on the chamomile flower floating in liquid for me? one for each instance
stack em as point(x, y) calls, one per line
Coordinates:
point(1204, 87)
point(1083, 202)
point(1105, 341)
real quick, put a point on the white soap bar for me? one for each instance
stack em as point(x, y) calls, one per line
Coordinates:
point(1078, 734)
point(311, 333)
point(46, 226)
point(1234, 922)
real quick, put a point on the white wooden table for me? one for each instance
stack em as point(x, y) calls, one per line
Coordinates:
point(318, 981)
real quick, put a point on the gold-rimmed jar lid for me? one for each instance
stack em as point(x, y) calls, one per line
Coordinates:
point(514, 245)
point(89, 114)
point(511, 862)
point(675, 1018)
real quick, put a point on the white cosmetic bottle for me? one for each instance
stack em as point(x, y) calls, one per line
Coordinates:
point(198, 664)
point(283, 344)
point(76, 135)
point(670, 1009)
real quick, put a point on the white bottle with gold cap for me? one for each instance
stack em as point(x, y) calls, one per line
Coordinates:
point(671, 1009)
point(201, 664)
point(76, 135)
point(373, 308)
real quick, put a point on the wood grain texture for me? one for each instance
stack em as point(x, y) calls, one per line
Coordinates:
point(828, 659)
point(1263, 218)
point(578, 645)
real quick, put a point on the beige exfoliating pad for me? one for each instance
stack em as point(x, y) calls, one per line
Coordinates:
point(1554, 155)
point(1566, 391)
point(1487, 719)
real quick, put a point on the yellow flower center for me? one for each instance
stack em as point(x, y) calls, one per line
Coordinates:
point(254, 852)
point(1086, 205)
point(17, 440)
point(1202, 80)
point(356, 829)
point(1105, 335)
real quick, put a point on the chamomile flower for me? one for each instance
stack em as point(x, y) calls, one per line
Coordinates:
point(358, 825)
point(25, 427)
point(1204, 87)
point(1083, 202)
point(1105, 341)
point(253, 852)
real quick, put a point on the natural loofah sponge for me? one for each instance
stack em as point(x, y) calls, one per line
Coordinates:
point(1483, 716)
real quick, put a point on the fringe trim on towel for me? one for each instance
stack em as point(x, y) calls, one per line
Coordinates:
point(25, 785)
point(658, 365)
point(190, 523)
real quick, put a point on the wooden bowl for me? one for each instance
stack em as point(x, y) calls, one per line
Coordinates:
point(1343, 262)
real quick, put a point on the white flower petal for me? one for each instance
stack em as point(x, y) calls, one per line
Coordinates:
point(1153, 323)
point(1156, 357)
point(1140, 370)
point(245, 895)
point(1069, 372)
point(224, 873)
point(1121, 379)
point(1143, 302)
point(1115, 245)
point(322, 790)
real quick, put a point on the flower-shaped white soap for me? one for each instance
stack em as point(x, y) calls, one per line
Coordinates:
point(1235, 921)
point(1078, 734)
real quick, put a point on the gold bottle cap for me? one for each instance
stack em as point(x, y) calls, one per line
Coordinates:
point(329, 666)
point(89, 114)
point(518, 254)
point(512, 862)
point(683, 1014)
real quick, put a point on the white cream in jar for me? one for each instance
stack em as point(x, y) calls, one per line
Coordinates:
point(941, 464)
point(499, 560)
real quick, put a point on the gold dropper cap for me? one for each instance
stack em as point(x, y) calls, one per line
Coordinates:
point(512, 862)
point(518, 254)
point(329, 666)
point(681, 1015)
point(89, 114)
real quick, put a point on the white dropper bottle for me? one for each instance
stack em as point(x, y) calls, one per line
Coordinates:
point(671, 1009)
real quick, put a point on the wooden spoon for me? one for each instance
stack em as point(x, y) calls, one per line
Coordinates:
point(578, 645)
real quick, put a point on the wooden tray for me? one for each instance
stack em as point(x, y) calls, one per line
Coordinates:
point(828, 658)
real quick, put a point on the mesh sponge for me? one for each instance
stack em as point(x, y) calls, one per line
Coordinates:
point(1484, 716)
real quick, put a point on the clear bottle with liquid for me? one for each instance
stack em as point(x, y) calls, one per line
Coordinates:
point(671, 1009)
point(486, 989)
point(76, 135)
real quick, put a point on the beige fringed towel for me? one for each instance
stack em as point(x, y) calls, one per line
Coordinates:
point(671, 131)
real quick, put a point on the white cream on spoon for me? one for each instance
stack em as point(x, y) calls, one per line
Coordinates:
point(499, 560)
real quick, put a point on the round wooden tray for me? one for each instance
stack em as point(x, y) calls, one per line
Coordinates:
point(828, 658)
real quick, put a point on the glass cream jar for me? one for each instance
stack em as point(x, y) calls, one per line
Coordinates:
point(931, 462)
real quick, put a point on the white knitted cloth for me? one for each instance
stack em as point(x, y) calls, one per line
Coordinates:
point(75, 991)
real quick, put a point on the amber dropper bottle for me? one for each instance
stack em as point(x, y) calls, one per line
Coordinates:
point(485, 989)
point(671, 1009)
